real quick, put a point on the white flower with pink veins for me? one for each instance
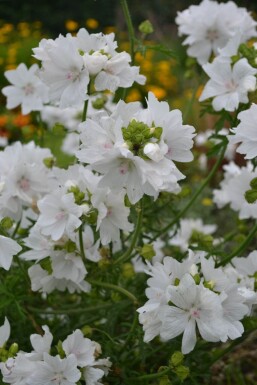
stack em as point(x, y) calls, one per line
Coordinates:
point(59, 215)
point(209, 26)
point(192, 305)
point(55, 371)
point(64, 72)
point(27, 89)
point(135, 148)
point(228, 86)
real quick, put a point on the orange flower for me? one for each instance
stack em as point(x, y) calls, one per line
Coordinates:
point(21, 120)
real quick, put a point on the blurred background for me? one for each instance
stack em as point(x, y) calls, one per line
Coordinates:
point(171, 75)
point(54, 14)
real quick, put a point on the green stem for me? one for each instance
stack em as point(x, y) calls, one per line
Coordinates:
point(84, 113)
point(124, 257)
point(195, 195)
point(150, 376)
point(81, 244)
point(16, 228)
point(116, 288)
point(240, 248)
point(125, 9)
point(130, 334)
point(89, 309)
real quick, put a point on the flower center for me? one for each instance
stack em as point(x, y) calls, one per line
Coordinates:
point(195, 312)
point(212, 34)
point(24, 184)
point(61, 215)
point(28, 89)
point(231, 85)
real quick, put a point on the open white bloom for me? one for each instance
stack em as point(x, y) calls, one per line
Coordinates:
point(8, 248)
point(55, 371)
point(112, 215)
point(24, 178)
point(209, 26)
point(26, 90)
point(135, 149)
point(192, 305)
point(59, 215)
point(82, 348)
point(246, 133)
point(5, 331)
point(228, 86)
point(233, 188)
point(162, 276)
point(64, 73)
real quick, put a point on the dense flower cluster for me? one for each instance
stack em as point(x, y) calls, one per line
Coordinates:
point(183, 295)
point(77, 359)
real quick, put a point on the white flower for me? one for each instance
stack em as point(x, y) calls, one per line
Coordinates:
point(17, 371)
point(228, 85)
point(59, 215)
point(233, 188)
point(112, 215)
point(246, 266)
point(118, 73)
point(245, 133)
point(5, 331)
point(192, 305)
point(47, 283)
point(209, 26)
point(41, 344)
point(27, 89)
point(55, 371)
point(65, 74)
point(82, 348)
point(110, 146)
point(8, 248)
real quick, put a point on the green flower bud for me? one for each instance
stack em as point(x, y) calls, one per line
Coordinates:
point(128, 270)
point(251, 196)
point(209, 284)
point(13, 350)
point(87, 330)
point(60, 350)
point(100, 102)
point(182, 372)
point(147, 252)
point(6, 223)
point(49, 162)
point(146, 27)
point(176, 359)
point(197, 278)
point(253, 183)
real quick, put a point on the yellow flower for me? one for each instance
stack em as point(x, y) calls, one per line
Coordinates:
point(159, 92)
point(133, 96)
point(109, 29)
point(71, 25)
point(207, 202)
point(92, 23)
